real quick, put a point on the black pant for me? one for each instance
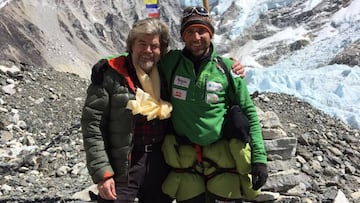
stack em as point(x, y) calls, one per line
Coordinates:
point(146, 175)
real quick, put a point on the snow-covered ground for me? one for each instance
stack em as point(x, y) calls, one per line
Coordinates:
point(334, 89)
point(3, 3)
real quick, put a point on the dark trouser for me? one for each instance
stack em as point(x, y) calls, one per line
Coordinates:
point(146, 175)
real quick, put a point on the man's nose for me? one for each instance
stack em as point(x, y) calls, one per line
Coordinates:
point(196, 35)
point(148, 48)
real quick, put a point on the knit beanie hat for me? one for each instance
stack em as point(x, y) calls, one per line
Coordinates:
point(198, 16)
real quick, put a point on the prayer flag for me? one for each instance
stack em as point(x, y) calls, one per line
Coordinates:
point(152, 9)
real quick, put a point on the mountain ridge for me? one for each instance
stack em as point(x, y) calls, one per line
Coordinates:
point(70, 36)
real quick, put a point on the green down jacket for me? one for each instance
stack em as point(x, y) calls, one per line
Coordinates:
point(107, 126)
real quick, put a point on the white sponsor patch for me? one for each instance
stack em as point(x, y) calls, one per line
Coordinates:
point(179, 94)
point(213, 86)
point(212, 98)
point(182, 81)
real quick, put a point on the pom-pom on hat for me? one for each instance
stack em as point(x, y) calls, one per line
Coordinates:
point(198, 16)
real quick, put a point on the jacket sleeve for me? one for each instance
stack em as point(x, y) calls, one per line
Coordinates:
point(93, 122)
point(243, 98)
point(258, 152)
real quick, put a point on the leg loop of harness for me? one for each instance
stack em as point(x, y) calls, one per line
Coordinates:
point(203, 162)
point(186, 170)
point(218, 170)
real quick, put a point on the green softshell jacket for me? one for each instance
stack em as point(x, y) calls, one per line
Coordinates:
point(200, 101)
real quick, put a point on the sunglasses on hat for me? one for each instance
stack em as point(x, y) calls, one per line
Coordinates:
point(195, 10)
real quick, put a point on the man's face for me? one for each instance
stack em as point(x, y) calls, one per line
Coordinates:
point(197, 40)
point(146, 52)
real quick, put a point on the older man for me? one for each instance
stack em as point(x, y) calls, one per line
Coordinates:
point(122, 140)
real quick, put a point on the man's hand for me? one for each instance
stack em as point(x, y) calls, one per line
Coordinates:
point(259, 175)
point(238, 68)
point(107, 189)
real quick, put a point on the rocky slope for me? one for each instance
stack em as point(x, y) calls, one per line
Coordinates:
point(41, 148)
point(42, 157)
point(71, 35)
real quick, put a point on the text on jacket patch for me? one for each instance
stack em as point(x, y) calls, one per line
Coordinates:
point(179, 94)
point(182, 81)
point(214, 86)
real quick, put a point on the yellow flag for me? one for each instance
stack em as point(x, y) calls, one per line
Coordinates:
point(151, 1)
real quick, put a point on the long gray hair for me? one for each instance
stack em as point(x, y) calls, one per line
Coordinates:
point(151, 26)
